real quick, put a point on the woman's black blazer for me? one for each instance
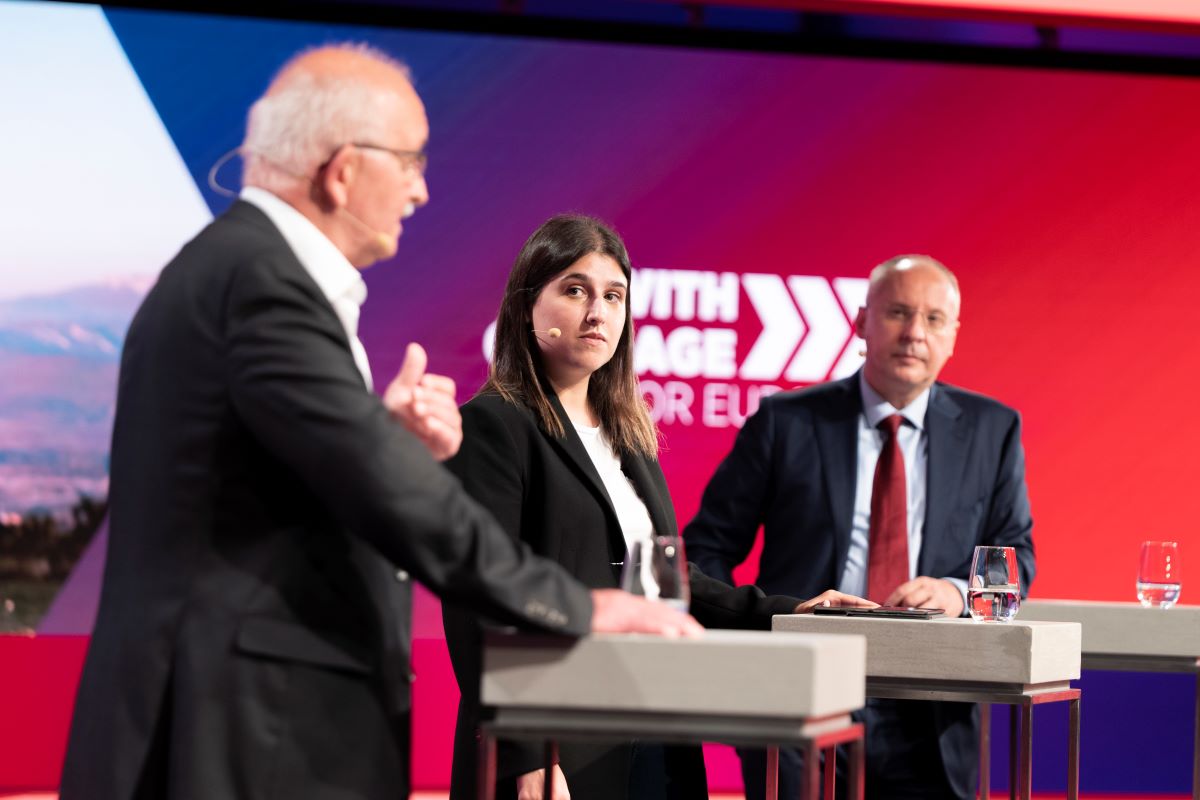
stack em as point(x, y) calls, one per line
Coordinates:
point(545, 491)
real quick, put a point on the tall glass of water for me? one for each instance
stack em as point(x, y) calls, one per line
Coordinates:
point(1160, 574)
point(656, 569)
point(994, 589)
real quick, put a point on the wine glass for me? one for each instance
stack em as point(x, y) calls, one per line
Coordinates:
point(994, 590)
point(656, 568)
point(1160, 574)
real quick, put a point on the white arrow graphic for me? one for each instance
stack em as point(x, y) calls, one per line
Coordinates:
point(853, 294)
point(782, 327)
point(827, 329)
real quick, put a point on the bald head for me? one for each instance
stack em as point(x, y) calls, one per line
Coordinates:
point(355, 63)
point(319, 100)
point(340, 135)
point(897, 264)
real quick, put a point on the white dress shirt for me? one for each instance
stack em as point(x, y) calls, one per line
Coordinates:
point(631, 511)
point(914, 445)
point(334, 275)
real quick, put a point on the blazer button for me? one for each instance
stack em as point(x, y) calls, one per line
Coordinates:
point(401, 575)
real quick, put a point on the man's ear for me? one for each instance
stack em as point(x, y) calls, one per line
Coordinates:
point(954, 336)
point(334, 181)
point(860, 322)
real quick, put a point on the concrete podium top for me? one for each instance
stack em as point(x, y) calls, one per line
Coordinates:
point(744, 673)
point(1125, 629)
point(956, 650)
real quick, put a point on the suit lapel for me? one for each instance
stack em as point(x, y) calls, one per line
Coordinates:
point(639, 472)
point(836, 430)
point(948, 450)
point(247, 213)
point(575, 454)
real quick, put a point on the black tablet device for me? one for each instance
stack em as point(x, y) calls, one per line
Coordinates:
point(898, 612)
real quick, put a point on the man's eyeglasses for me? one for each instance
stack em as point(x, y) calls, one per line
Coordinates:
point(934, 322)
point(411, 161)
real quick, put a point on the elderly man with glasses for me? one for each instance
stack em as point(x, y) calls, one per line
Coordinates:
point(267, 509)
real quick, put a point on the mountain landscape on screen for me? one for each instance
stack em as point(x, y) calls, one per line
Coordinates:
point(60, 354)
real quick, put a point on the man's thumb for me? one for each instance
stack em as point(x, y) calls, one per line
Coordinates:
point(413, 368)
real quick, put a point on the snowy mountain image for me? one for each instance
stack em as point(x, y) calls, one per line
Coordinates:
point(59, 355)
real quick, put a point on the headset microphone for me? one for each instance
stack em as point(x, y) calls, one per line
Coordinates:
point(213, 183)
point(553, 333)
point(386, 243)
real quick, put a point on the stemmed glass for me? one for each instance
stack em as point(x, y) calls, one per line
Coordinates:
point(994, 589)
point(1160, 574)
point(656, 569)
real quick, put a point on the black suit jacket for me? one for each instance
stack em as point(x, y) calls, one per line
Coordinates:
point(252, 635)
point(546, 491)
point(792, 471)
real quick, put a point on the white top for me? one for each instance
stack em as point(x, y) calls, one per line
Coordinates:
point(334, 275)
point(631, 511)
point(914, 445)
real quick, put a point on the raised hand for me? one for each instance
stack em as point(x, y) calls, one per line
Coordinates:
point(425, 404)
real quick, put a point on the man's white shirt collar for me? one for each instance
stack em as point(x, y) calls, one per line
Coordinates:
point(334, 275)
point(876, 409)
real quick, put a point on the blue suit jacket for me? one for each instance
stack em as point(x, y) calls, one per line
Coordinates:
point(792, 470)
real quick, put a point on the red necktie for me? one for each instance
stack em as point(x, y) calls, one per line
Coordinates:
point(887, 555)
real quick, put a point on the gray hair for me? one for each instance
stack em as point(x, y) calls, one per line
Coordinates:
point(295, 128)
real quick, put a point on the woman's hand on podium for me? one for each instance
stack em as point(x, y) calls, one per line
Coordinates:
point(832, 597)
point(530, 785)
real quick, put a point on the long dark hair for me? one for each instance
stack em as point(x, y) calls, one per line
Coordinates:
point(517, 373)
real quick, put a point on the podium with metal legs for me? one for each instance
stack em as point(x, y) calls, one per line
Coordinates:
point(1125, 637)
point(734, 687)
point(1019, 663)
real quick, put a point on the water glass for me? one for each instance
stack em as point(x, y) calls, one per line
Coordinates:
point(1160, 574)
point(656, 568)
point(994, 588)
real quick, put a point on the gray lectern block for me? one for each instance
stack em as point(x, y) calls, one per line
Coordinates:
point(750, 674)
point(1126, 629)
point(961, 650)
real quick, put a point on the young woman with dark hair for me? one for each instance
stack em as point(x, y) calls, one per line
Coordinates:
point(560, 447)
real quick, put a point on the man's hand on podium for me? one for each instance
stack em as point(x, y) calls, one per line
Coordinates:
point(929, 592)
point(832, 597)
point(615, 611)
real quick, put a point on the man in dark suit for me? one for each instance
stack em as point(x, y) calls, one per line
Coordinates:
point(266, 509)
point(888, 510)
